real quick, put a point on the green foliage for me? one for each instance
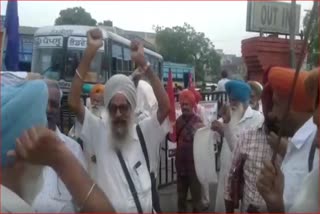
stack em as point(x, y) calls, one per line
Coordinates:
point(313, 48)
point(182, 44)
point(75, 16)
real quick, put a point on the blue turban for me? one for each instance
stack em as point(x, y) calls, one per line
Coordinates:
point(23, 106)
point(238, 90)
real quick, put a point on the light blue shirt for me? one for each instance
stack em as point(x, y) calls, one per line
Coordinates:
point(295, 163)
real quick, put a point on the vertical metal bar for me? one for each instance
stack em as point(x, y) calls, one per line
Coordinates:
point(166, 160)
point(292, 29)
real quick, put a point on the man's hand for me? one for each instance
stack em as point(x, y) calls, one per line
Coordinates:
point(95, 40)
point(217, 126)
point(39, 146)
point(273, 141)
point(270, 185)
point(225, 113)
point(137, 53)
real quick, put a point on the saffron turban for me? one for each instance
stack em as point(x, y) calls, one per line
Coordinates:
point(122, 84)
point(238, 90)
point(23, 106)
point(187, 96)
point(197, 95)
point(281, 80)
point(97, 89)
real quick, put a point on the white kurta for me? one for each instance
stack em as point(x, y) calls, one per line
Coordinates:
point(251, 119)
point(295, 163)
point(307, 200)
point(12, 203)
point(110, 177)
point(147, 103)
point(54, 196)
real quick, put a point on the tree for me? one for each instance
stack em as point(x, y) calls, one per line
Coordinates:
point(75, 16)
point(182, 44)
point(313, 47)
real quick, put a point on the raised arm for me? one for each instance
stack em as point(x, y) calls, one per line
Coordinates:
point(41, 146)
point(95, 41)
point(137, 55)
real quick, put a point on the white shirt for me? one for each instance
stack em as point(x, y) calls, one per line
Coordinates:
point(12, 78)
point(12, 203)
point(147, 103)
point(110, 177)
point(307, 200)
point(221, 84)
point(54, 196)
point(295, 163)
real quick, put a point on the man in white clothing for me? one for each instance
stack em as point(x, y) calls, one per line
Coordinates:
point(117, 142)
point(223, 81)
point(54, 196)
point(271, 182)
point(235, 119)
point(146, 101)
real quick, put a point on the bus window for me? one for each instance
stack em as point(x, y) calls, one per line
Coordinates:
point(97, 72)
point(127, 60)
point(117, 58)
point(48, 62)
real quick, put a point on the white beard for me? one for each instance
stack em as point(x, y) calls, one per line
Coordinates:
point(31, 182)
point(127, 136)
point(236, 115)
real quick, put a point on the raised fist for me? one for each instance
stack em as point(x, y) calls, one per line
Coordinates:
point(137, 53)
point(95, 39)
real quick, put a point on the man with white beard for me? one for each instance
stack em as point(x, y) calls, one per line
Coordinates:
point(25, 151)
point(124, 151)
point(236, 118)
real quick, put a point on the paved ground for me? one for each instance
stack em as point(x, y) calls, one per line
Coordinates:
point(168, 199)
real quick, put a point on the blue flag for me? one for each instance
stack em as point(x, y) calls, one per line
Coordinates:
point(12, 33)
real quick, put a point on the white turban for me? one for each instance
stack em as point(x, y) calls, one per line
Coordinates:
point(122, 84)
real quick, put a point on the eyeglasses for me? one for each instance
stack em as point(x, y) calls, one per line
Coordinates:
point(113, 109)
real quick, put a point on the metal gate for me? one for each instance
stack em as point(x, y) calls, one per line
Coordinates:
point(167, 170)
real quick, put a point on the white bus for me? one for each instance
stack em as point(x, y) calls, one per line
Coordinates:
point(57, 52)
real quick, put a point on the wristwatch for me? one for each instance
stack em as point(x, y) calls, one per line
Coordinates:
point(146, 67)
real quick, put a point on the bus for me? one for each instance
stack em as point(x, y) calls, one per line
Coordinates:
point(57, 51)
point(180, 73)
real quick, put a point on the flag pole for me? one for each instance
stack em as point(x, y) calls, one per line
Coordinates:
point(2, 46)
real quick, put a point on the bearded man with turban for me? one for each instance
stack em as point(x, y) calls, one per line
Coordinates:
point(125, 151)
point(186, 126)
point(256, 145)
point(273, 179)
point(26, 151)
point(256, 91)
point(236, 118)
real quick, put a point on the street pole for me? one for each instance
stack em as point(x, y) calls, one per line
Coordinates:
point(292, 33)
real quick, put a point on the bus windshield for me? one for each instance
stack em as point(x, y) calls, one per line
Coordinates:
point(48, 56)
point(75, 49)
point(97, 71)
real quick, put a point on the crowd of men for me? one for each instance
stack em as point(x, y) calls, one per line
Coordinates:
point(124, 123)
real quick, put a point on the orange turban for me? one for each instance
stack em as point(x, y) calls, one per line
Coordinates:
point(281, 80)
point(97, 89)
point(312, 85)
point(187, 96)
point(198, 96)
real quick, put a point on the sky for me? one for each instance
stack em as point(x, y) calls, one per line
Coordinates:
point(223, 22)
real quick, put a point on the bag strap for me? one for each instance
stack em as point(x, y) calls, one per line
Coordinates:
point(130, 182)
point(312, 153)
point(143, 146)
point(146, 156)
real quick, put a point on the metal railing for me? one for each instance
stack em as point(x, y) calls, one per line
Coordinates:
point(167, 170)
